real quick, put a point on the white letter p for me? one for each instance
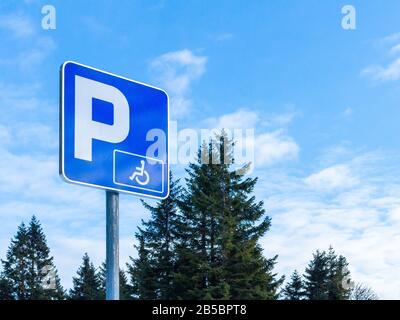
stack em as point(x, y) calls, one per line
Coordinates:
point(85, 128)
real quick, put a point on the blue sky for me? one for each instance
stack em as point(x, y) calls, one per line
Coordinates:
point(324, 103)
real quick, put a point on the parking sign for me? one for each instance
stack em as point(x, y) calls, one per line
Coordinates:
point(113, 132)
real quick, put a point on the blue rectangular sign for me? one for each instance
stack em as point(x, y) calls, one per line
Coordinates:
point(114, 132)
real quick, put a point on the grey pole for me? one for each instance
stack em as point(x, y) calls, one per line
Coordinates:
point(112, 245)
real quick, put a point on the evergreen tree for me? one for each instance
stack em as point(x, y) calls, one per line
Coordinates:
point(157, 243)
point(125, 290)
point(192, 277)
point(87, 284)
point(338, 277)
point(327, 277)
point(159, 234)
point(224, 223)
point(141, 272)
point(15, 267)
point(187, 266)
point(294, 290)
point(6, 290)
point(29, 268)
point(316, 275)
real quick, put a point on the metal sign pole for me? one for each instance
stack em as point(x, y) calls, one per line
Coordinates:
point(112, 245)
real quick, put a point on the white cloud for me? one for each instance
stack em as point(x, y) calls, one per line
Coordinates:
point(24, 135)
point(175, 71)
point(19, 26)
point(395, 49)
point(179, 106)
point(25, 108)
point(338, 176)
point(32, 56)
point(241, 118)
point(360, 220)
point(389, 73)
point(18, 96)
point(245, 118)
point(394, 37)
point(33, 47)
point(274, 147)
point(269, 147)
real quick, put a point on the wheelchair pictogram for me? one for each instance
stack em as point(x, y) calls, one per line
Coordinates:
point(141, 176)
point(138, 171)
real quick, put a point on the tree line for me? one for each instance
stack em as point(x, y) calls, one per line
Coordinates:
point(202, 242)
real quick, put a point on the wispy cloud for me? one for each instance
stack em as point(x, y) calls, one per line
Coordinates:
point(95, 26)
point(274, 147)
point(224, 36)
point(246, 118)
point(360, 219)
point(395, 50)
point(19, 26)
point(22, 96)
point(338, 176)
point(25, 107)
point(241, 118)
point(29, 133)
point(270, 147)
point(175, 71)
point(30, 57)
point(24, 47)
point(394, 37)
point(391, 70)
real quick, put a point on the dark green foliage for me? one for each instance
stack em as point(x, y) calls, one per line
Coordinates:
point(125, 290)
point(87, 284)
point(218, 255)
point(316, 277)
point(160, 239)
point(28, 268)
point(154, 267)
point(142, 273)
point(294, 289)
point(6, 290)
point(339, 281)
point(327, 277)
